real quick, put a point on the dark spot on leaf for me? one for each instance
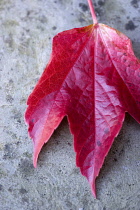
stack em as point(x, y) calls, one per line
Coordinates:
point(22, 191)
point(101, 3)
point(138, 102)
point(99, 143)
point(138, 74)
point(84, 7)
point(106, 131)
point(130, 25)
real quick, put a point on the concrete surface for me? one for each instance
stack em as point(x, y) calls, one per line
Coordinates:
point(26, 31)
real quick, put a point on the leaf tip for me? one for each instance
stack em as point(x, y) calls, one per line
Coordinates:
point(35, 162)
point(35, 157)
point(93, 189)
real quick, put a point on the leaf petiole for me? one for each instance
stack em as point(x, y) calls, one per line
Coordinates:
point(92, 11)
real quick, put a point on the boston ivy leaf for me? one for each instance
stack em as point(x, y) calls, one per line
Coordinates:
point(93, 78)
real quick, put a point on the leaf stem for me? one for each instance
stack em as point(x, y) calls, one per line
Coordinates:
point(92, 11)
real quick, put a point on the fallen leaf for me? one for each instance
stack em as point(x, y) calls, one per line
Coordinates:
point(93, 78)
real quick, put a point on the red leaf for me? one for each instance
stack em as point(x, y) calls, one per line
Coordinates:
point(93, 78)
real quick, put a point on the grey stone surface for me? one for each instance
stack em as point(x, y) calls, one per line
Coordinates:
point(27, 28)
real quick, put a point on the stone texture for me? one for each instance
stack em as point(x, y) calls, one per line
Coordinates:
point(27, 28)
